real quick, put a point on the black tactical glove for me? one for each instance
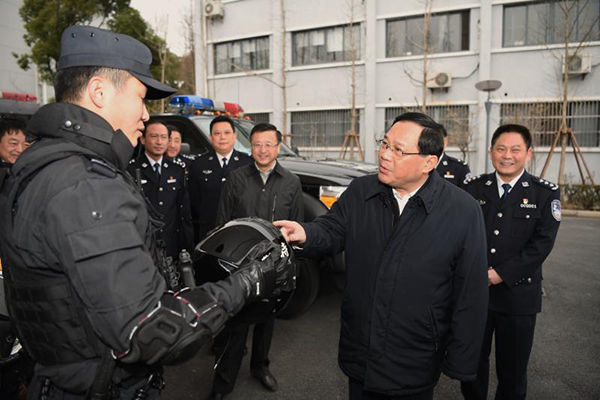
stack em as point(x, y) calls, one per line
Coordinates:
point(270, 270)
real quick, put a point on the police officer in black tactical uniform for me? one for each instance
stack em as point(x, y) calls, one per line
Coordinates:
point(165, 185)
point(209, 172)
point(522, 214)
point(452, 169)
point(82, 286)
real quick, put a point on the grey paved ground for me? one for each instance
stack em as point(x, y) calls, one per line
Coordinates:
point(565, 362)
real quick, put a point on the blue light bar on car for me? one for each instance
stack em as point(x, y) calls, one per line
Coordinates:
point(189, 104)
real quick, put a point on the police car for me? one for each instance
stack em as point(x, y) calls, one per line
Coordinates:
point(323, 181)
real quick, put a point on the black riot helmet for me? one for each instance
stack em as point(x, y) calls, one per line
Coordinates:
point(239, 242)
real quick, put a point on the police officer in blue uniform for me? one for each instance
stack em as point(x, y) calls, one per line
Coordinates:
point(174, 150)
point(164, 183)
point(522, 214)
point(450, 168)
point(209, 172)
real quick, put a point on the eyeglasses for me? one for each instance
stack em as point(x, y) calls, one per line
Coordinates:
point(267, 145)
point(397, 152)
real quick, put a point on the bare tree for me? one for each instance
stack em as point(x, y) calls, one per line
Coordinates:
point(186, 70)
point(351, 138)
point(283, 84)
point(571, 49)
point(425, 47)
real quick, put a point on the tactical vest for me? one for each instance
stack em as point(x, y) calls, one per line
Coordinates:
point(47, 314)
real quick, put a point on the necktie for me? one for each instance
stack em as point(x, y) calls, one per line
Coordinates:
point(156, 167)
point(224, 162)
point(506, 187)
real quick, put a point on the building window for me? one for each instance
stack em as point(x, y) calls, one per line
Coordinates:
point(258, 118)
point(455, 119)
point(543, 120)
point(449, 32)
point(326, 45)
point(242, 55)
point(321, 128)
point(545, 22)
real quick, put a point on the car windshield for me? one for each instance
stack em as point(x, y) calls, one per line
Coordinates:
point(244, 127)
point(242, 143)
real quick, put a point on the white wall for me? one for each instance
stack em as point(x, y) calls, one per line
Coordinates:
point(13, 78)
point(527, 74)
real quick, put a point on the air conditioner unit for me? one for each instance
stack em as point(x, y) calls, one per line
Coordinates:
point(578, 64)
point(441, 80)
point(213, 9)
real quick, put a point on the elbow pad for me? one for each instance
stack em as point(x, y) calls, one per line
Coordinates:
point(174, 330)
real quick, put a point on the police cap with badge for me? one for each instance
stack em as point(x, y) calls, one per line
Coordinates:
point(88, 46)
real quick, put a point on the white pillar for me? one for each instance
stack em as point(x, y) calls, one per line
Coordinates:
point(276, 59)
point(369, 126)
point(200, 58)
point(485, 44)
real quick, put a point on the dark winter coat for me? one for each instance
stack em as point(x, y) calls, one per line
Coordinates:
point(416, 297)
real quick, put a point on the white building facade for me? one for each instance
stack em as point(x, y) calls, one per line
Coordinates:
point(12, 77)
point(241, 47)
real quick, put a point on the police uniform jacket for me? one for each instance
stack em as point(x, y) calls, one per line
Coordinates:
point(206, 181)
point(169, 197)
point(520, 235)
point(453, 170)
point(77, 269)
point(416, 294)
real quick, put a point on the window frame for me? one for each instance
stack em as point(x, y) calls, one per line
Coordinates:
point(324, 56)
point(547, 33)
point(464, 35)
point(253, 59)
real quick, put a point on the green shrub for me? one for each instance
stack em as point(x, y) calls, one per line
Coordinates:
point(581, 197)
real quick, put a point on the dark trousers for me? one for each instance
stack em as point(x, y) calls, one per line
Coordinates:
point(229, 362)
point(513, 338)
point(36, 390)
point(356, 392)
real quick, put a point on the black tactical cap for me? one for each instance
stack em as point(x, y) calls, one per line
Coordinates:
point(87, 46)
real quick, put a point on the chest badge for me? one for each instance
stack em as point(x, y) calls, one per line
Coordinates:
point(143, 181)
point(449, 175)
point(171, 180)
point(144, 165)
point(525, 204)
point(488, 183)
point(210, 158)
point(207, 171)
point(481, 202)
point(235, 158)
point(525, 184)
point(444, 162)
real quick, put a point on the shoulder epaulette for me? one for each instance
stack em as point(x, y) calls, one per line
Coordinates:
point(190, 157)
point(102, 168)
point(179, 162)
point(545, 183)
point(472, 178)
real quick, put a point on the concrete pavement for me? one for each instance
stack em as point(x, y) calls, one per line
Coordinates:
point(564, 364)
